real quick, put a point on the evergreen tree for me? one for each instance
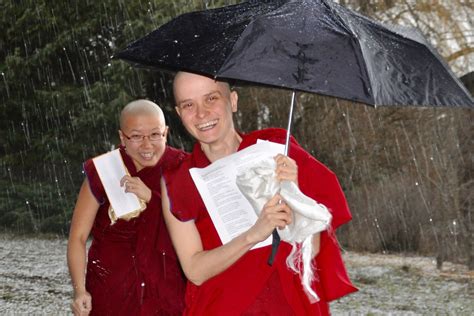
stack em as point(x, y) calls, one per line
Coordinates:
point(60, 96)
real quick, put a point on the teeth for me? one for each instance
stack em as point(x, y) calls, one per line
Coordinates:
point(206, 125)
point(146, 155)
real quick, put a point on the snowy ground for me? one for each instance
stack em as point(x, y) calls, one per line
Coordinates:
point(406, 285)
point(34, 281)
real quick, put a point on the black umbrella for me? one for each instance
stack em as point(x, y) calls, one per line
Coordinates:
point(304, 45)
point(307, 45)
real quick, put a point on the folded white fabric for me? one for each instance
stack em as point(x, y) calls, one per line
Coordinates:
point(258, 184)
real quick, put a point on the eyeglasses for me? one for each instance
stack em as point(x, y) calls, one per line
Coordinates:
point(153, 137)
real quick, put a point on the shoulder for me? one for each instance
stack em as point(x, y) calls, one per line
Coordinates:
point(177, 172)
point(267, 134)
point(182, 192)
point(277, 135)
point(89, 165)
point(94, 181)
point(296, 151)
point(173, 157)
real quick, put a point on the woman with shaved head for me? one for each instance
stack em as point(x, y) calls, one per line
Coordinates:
point(131, 268)
point(232, 278)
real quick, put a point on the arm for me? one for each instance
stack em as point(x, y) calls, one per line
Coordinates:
point(200, 265)
point(81, 225)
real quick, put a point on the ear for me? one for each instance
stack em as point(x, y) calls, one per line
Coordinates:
point(122, 138)
point(166, 133)
point(178, 110)
point(234, 98)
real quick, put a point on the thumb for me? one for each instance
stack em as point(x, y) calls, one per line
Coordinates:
point(87, 303)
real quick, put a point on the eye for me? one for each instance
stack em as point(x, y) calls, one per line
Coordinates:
point(186, 106)
point(212, 98)
point(156, 136)
point(136, 137)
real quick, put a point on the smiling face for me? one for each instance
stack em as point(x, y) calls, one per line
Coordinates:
point(205, 107)
point(143, 120)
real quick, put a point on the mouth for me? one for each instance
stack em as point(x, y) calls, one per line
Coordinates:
point(147, 156)
point(206, 126)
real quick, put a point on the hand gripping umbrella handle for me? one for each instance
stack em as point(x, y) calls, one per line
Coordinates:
point(275, 236)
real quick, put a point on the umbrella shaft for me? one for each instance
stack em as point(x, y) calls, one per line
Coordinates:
point(290, 119)
point(276, 237)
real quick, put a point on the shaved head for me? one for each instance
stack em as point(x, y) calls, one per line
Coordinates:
point(180, 74)
point(141, 107)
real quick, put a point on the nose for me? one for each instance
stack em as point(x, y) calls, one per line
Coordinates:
point(201, 110)
point(146, 141)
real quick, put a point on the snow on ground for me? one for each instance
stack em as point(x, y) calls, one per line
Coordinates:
point(34, 281)
point(406, 285)
point(34, 278)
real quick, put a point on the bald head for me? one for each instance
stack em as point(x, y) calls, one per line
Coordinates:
point(141, 107)
point(183, 78)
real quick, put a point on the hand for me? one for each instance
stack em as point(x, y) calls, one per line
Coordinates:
point(82, 303)
point(136, 185)
point(275, 213)
point(286, 169)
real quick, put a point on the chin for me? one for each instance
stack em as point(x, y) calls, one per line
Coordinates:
point(149, 163)
point(139, 163)
point(206, 136)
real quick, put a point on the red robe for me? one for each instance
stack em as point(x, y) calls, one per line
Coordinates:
point(250, 286)
point(132, 268)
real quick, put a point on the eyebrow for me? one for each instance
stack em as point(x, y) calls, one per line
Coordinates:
point(154, 128)
point(212, 92)
point(204, 95)
point(183, 101)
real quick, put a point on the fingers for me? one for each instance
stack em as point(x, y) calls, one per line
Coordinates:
point(82, 305)
point(88, 304)
point(130, 184)
point(137, 186)
point(276, 199)
point(277, 212)
point(126, 181)
point(286, 168)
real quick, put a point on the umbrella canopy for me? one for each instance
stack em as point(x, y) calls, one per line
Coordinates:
point(306, 45)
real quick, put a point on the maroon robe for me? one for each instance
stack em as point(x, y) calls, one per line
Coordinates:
point(132, 268)
point(250, 286)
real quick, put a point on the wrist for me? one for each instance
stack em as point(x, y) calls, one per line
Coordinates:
point(249, 239)
point(79, 289)
point(149, 196)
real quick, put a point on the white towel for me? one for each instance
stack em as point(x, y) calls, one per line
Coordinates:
point(258, 183)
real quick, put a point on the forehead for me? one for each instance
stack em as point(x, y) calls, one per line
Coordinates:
point(142, 121)
point(190, 86)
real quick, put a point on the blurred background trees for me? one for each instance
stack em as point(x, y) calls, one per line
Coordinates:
point(407, 172)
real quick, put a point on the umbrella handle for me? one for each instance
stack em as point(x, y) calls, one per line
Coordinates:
point(275, 244)
point(275, 236)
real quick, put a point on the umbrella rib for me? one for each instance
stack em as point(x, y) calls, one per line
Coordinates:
point(252, 21)
point(331, 7)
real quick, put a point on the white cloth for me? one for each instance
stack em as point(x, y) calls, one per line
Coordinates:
point(258, 183)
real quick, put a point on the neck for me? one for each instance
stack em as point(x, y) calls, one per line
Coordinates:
point(215, 151)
